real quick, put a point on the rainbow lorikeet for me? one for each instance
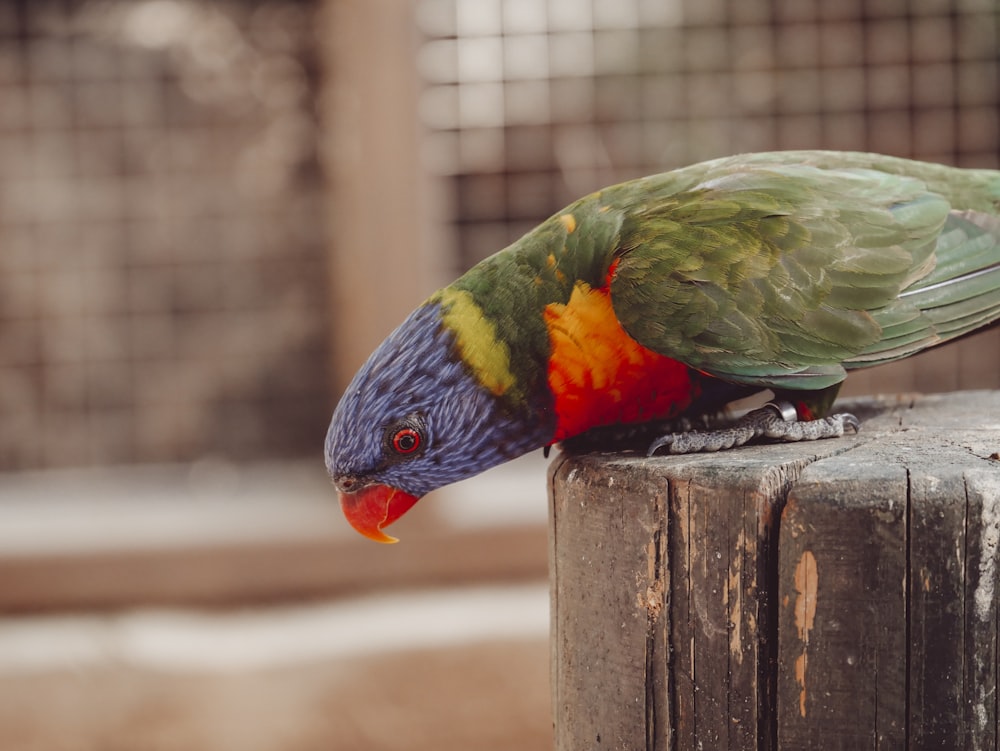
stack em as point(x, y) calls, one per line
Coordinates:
point(666, 296)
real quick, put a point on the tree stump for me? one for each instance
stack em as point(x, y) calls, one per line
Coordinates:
point(834, 594)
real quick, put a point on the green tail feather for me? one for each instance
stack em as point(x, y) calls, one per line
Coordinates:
point(961, 293)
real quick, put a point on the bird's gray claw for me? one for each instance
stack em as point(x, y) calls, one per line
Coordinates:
point(663, 440)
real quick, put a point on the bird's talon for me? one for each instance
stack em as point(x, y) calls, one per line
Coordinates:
point(659, 443)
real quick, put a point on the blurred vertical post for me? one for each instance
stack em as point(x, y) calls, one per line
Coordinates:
point(379, 269)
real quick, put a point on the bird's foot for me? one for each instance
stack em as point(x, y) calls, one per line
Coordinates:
point(775, 420)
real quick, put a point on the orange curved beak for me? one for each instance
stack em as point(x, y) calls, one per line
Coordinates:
point(374, 507)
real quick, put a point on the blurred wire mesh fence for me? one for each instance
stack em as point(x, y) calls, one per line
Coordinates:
point(531, 104)
point(162, 292)
point(164, 284)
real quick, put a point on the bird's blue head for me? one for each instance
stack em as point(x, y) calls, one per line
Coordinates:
point(414, 418)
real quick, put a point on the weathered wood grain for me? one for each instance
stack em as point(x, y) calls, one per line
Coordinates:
point(662, 611)
point(842, 588)
point(839, 594)
point(609, 602)
point(890, 641)
point(979, 707)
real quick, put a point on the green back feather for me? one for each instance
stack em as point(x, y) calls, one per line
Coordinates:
point(779, 269)
point(784, 269)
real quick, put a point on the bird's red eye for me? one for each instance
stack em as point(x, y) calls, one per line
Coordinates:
point(406, 441)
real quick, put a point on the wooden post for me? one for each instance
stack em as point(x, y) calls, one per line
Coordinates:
point(384, 249)
point(836, 594)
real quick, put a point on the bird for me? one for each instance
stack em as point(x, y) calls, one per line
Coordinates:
point(669, 296)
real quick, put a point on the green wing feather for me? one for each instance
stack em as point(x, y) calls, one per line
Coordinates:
point(783, 270)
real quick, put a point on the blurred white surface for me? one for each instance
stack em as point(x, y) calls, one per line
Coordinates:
point(214, 532)
point(269, 638)
point(139, 508)
point(511, 494)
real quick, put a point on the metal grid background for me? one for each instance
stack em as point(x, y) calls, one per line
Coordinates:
point(162, 270)
point(532, 103)
point(162, 288)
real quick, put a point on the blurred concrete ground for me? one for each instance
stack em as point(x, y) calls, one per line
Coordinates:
point(215, 606)
point(219, 533)
point(465, 668)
